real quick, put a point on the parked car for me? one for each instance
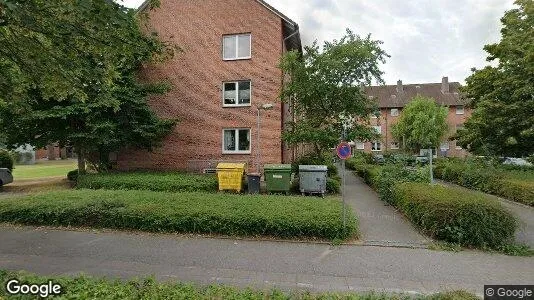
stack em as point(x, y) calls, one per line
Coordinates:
point(422, 160)
point(516, 162)
point(5, 176)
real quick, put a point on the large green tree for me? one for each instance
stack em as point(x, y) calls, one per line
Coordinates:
point(68, 75)
point(326, 89)
point(422, 124)
point(502, 95)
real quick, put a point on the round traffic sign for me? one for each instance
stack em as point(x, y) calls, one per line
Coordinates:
point(344, 151)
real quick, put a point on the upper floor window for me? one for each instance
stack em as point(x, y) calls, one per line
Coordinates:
point(394, 112)
point(360, 145)
point(460, 110)
point(237, 46)
point(236, 93)
point(394, 145)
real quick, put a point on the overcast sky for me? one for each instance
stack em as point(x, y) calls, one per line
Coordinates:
point(427, 39)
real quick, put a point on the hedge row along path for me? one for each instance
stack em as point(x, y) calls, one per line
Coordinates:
point(524, 213)
point(262, 264)
point(380, 224)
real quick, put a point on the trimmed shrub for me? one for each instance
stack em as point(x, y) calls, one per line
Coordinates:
point(85, 287)
point(158, 182)
point(6, 160)
point(333, 186)
point(235, 215)
point(511, 183)
point(72, 175)
point(388, 176)
point(455, 215)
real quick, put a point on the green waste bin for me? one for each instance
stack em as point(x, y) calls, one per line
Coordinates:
point(278, 178)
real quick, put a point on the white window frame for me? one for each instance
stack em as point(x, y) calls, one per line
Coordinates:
point(448, 147)
point(373, 146)
point(224, 151)
point(397, 112)
point(237, 94)
point(360, 145)
point(460, 110)
point(397, 147)
point(378, 129)
point(236, 57)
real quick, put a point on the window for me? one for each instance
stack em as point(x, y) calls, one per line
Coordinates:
point(394, 145)
point(360, 146)
point(236, 141)
point(394, 112)
point(378, 129)
point(376, 146)
point(236, 93)
point(237, 46)
point(444, 146)
point(460, 110)
point(375, 115)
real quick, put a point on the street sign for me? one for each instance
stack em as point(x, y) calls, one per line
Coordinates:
point(344, 151)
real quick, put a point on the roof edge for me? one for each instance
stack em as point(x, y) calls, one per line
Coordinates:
point(146, 3)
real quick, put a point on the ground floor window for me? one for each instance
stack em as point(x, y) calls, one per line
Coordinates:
point(394, 145)
point(376, 146)
point(444, 146)
point(360, 146)
point(236, 141)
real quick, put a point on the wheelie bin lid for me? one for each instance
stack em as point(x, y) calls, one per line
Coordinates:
point(230, 166)
point(275, 167)
point(313, 168)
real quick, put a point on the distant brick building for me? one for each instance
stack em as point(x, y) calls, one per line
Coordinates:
point(228, 68)
point(392, 99)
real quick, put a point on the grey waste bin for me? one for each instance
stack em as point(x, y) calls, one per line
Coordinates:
point(312, 179)
point(253, 182)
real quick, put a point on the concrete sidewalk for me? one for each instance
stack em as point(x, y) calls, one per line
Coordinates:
point(524, 214)
point(380, 224)
point(260, 264)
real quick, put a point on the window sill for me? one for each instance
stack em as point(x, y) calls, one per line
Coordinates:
point(236, 106)
point(237, 153)
point(240, 58)
point(376, 150)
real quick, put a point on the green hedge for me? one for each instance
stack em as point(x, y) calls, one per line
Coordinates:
point(456, 215)
point(158, 182)
point(6, 159)
point(241, 215)
point(83, 287)
point(510, 184)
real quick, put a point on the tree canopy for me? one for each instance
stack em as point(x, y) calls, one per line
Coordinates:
point(502, 95)
point(422, 124)
point(68, 74)
point(326, 89)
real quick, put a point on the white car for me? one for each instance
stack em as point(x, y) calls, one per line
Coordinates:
point(516, 162)
point(5, 176)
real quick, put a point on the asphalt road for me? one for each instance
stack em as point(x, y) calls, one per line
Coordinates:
point(258, 264)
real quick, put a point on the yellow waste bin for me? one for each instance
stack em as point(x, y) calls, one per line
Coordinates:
point(230, 176)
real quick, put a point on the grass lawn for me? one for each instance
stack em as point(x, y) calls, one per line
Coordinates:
point(84, 287)
point(44, 169)
point(207, 213)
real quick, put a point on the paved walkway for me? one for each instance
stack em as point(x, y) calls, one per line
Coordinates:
point(524, 213)
point(314, 267)
point(379, 223)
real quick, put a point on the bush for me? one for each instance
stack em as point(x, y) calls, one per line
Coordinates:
point(72, 175)
point(159, 182)
point(313, 159)
point(455, 215)
point(84, 287)
point(333, 186)
point(389, 176)
point(511, 183)
point(239, 215)
point(6, 160)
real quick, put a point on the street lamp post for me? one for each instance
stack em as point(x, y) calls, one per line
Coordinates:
point(266, 106)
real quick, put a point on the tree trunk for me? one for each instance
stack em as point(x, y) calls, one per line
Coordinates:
point(81, 162)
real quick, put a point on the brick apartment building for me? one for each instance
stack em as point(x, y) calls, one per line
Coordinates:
point(228, 68)
point(392, 99)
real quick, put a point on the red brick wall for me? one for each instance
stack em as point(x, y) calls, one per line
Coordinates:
point(197, 76)
point(386, 122)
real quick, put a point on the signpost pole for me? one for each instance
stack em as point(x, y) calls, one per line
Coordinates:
point(343, 194)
